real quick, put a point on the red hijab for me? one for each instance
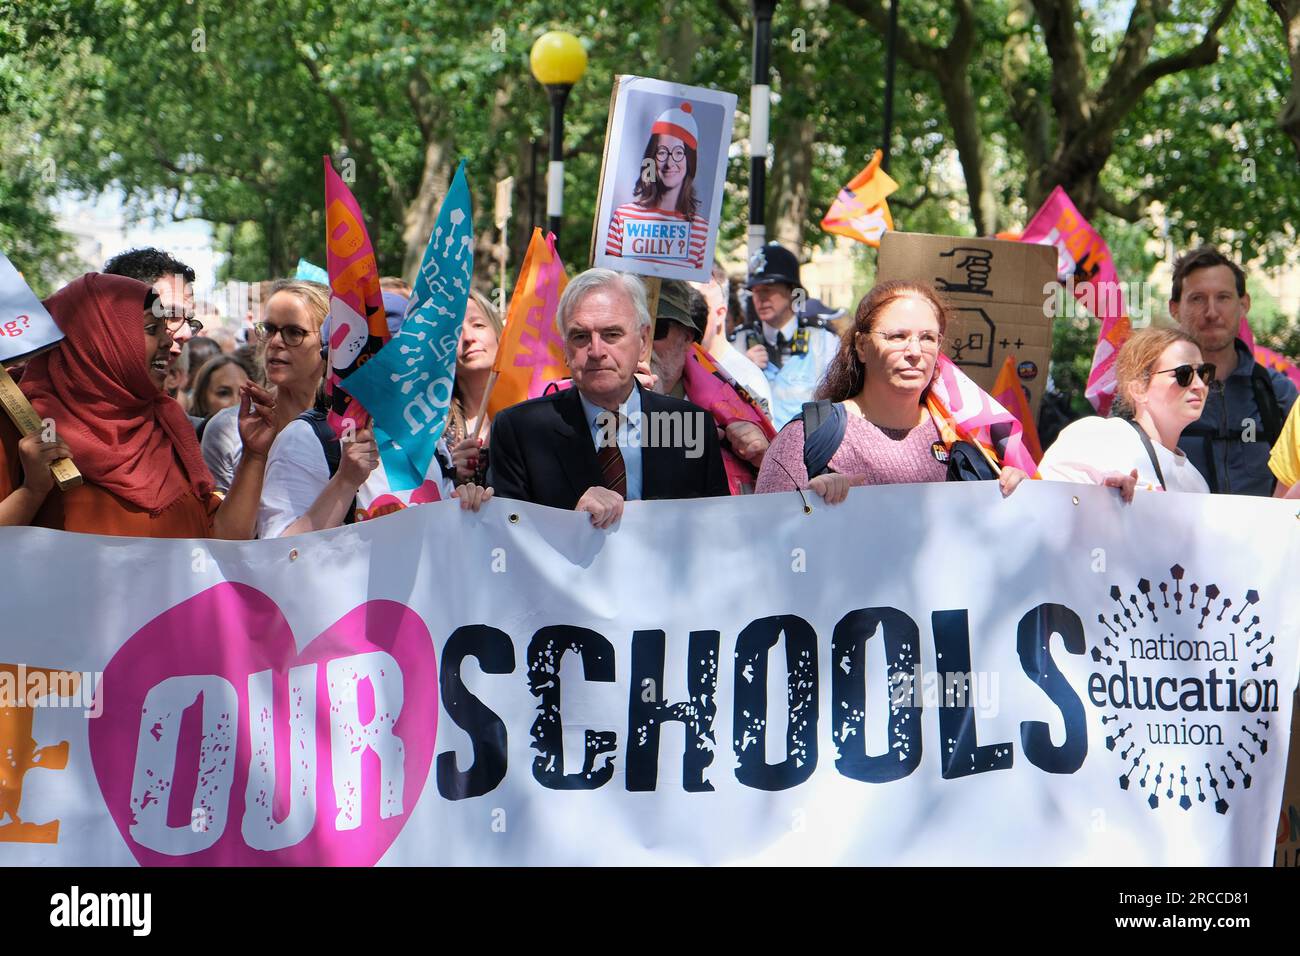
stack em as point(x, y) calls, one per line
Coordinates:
point(126, 434)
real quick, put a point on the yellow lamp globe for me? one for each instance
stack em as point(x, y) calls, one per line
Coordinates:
point(558, 59)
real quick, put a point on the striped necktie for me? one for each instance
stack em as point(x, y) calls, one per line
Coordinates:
point(613, 470)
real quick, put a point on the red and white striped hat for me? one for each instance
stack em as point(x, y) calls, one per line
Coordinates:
point(680, 123)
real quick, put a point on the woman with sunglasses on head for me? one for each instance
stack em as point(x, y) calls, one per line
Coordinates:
point(289, 349)
point(1160, 388)
point(879, 382)
point(102, 387)
point(664, 193)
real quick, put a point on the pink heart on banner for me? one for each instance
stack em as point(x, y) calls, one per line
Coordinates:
point(334, 783)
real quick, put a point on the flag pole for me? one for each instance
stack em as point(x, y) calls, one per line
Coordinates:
point(483, 404)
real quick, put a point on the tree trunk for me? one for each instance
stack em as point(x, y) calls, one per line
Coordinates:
point(422, 212)
point(1288, 12)
point(793, 134)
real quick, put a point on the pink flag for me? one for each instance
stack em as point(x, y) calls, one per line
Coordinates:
point(1266, 356)
point(1084, 264)
point(963, 408)
point(712, 389)
point(357, 325)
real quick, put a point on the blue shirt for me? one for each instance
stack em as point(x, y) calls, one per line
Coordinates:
point(1217, 444)
point(628, 435)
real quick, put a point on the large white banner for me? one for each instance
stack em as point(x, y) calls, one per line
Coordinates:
point(921, 675)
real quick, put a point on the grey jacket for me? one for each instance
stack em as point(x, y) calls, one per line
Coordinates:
point(1217, 444)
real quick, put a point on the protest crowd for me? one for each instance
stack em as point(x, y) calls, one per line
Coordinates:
point(178, 434)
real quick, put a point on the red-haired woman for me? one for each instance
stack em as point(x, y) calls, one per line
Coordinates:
point(662, 224)
point(879, 381)
point(1160, 388)
point(102, 387)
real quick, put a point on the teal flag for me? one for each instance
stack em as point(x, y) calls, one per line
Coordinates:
point(407, 386)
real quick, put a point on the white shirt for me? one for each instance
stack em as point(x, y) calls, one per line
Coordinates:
point(1090, 448)
point(222, 447)
point(297, 472)
point(746, 374)
point(789, 330)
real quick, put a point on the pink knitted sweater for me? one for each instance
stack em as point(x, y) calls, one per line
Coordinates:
point(885, 456)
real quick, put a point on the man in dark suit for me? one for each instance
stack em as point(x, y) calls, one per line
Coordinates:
point(606, 440)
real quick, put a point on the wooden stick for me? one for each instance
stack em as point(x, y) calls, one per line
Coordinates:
point(482, 406)
point(652, 285)
point(29, 423)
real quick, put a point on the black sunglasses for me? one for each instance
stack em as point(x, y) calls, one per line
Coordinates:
point(1183, 374)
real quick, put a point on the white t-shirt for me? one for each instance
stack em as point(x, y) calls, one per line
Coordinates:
point(297, 472)
point(1090, 448)
point(222, 447)
point(748, 375)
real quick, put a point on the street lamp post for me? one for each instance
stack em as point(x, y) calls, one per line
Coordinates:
point(760, 98)
point(558, 62)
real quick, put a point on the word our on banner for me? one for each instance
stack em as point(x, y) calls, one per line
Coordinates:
point(408, 386)
point(358, 327)
point(25, 325)
point(874, 684)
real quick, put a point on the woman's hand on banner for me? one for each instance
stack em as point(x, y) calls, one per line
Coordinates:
point(834, 487)
point(1125, 483)
point(1010, 480)
point(470, 495)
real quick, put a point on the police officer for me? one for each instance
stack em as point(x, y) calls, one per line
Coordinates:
point(791, 344)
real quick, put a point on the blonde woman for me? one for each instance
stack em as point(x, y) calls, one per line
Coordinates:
point(1161, 386)
point(289, 349)
point(480, 334)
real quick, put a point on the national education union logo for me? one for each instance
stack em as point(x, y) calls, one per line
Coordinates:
point(1186, 687)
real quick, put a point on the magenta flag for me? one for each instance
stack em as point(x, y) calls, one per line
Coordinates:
point(1084, 264)
point(357, 326)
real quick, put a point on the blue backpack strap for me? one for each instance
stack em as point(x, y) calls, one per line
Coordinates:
point(824, 424)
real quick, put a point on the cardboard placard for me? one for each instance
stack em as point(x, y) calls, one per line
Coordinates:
point(997, 292)
point(661, 179)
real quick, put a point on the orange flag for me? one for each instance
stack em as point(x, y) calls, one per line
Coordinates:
point(531, 352)
point(860, 211)
point(1008, 393)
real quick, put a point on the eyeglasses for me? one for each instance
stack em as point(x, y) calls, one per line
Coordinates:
point(291, 335)
point(173, 324)
point(677, 154)
point(1183, 374)
point(896, 340)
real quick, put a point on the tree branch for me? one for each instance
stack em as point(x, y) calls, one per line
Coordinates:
point(1069, 71)
point(732, 13)
point(1130, 211)
point(1123, 98)
point(922, 56)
